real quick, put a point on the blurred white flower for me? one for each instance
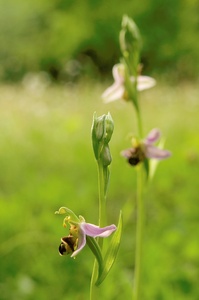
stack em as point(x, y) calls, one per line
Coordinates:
point(118, 91)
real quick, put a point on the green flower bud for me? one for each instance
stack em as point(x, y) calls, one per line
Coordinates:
point(100, 127)
point(102, 130)
point(97, 132)
point(130, 44)
point(130, 38)
point(106, 156)
point(109, 127)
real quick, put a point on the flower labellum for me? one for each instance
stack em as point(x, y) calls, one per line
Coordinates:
point(133, 155)
point(68, 245)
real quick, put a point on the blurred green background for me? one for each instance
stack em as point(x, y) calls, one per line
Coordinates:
point(55, 62)
point(46, 34)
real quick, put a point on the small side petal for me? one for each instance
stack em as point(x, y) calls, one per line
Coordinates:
point(153, 136)
point(81, 243)
point(113, 93)
point(154, 152)
point(118, 73)
point(94, 231)
point(128, 153)
point(145, 82)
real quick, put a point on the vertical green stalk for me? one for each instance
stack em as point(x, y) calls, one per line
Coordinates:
point(93, 288)
point(101, 130)
point(138, 111)
point(139, 234)
point(139, 120)
point(94, 291)
point(102, 194)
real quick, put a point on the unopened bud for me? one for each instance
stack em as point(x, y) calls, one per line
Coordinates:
point(106, 156)
point(102, 130)
point(98, 126)
point(109, 127)
point(130, 44)
point(130, 39)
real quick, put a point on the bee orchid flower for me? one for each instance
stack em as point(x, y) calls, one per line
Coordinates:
point(146, 149)
point(79, 230)
point(118, 91)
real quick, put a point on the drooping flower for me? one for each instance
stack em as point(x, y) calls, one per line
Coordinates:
point(118, 91)
point(79, 230)
point(145, 149)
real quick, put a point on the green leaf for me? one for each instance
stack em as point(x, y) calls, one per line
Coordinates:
point(146, 167)
point(111, 253)
point(93, 245)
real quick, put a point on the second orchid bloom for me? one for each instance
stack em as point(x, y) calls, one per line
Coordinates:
point(118, 90)
point(143, 149)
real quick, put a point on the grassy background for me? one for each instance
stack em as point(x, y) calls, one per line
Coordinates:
point(47, 35)
point(47, 161)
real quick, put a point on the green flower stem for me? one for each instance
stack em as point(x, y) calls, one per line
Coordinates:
point(94, 290)
point(139, 121)
point(102, 172)
point(138, 112)
point(133, 94)
point(102, 185)
point(139, 234)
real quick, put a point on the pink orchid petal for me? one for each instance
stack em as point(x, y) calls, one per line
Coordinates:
point(154, 152)
point(94, 231)
point(114, 92)
point(81, 243)
point(153, 136)
point(117, 90)
point(118, 73)
point(145, 82)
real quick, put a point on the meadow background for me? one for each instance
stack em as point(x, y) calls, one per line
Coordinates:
point(55, 62)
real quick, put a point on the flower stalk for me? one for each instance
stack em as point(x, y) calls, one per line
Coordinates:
point(102, 129)
point(94, 291)
point(127, 83)
point(81, 232)
point(139, 234)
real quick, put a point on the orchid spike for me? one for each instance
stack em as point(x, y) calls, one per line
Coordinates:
point(79, 230)
point(118, 91)
point(145, 149)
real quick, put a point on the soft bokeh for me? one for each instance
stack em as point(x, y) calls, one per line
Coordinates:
point(68, 38)
point(46, 154)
